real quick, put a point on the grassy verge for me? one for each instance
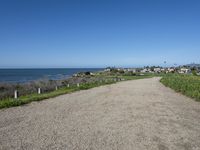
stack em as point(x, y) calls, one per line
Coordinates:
point(10, 102)
point(34, 97)
point(137, 77)
point(188, 85)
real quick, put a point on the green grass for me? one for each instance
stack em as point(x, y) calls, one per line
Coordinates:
point(34, 97)
point(188, 85)
point(137, 77)
point(10, 102)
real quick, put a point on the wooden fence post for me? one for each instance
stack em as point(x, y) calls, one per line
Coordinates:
point(16, 94)
point(39, 90)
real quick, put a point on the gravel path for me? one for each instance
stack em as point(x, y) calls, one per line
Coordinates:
point(130, 115)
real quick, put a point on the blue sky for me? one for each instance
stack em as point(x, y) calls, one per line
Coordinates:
point(98, 33)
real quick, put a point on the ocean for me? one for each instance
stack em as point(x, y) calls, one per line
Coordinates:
point(26, 75)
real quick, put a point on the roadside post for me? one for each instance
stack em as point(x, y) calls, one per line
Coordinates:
point(39, 90)
point(16, 94)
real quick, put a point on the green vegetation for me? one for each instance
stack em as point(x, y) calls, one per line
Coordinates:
point(10, 102)
point(137, 77)
point(188, 85)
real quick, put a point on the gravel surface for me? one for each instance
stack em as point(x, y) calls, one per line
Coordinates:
point(130, 115)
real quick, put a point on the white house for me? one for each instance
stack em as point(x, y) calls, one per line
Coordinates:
point(145, 70)
point(184, 70)
point(169, 70)
point(131, 70)
point(157, 70)
point(162, 70)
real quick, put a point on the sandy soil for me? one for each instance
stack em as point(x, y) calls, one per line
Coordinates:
point(131, 115)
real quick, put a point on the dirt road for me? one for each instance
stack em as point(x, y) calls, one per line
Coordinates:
point(131, 115)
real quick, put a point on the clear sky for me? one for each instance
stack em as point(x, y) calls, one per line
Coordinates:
point(98, 33)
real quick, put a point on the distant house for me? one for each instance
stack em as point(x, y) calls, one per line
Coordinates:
point(145, 70)
point(162, 70)
point(121, 70)
point(170, 70)
point(131, 70)
point(184, 71)
point(157, 70)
